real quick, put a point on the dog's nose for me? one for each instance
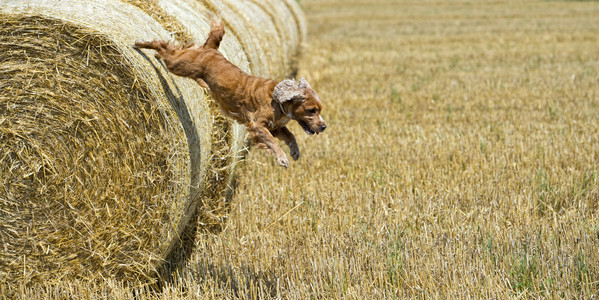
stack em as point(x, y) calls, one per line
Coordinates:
point(323, 127)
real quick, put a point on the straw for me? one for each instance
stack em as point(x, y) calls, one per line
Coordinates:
point(106, 159)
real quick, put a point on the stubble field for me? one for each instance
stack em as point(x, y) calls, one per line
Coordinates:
point(460, 161)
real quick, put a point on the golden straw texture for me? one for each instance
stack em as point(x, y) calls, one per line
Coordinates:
point(106, 159)
point(102, 155)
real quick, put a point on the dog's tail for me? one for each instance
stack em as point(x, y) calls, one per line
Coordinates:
point(217, 31)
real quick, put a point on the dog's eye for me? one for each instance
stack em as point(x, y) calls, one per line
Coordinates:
point(312, 111)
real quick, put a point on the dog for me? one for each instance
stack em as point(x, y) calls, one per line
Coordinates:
point(262, 105)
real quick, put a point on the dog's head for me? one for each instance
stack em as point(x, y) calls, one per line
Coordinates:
point(303, 104)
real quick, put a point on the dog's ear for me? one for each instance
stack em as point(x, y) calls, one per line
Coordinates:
point(287, 90)
point(303, 83)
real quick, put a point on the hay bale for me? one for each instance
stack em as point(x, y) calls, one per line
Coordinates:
point(105, 157)
point(102, 150)
point(272, 53)
point(287, 17)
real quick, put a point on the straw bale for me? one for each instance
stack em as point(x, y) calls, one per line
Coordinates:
point(106, 158)
point(286, 16)
point(104, 152)
point(194, 17)
point(273, 52)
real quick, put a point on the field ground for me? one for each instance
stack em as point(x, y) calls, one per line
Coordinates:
point(460, 161)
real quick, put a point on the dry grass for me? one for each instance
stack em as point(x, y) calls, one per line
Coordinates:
point(460, 161)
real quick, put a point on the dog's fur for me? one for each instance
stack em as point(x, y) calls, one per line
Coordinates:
point(263, 105)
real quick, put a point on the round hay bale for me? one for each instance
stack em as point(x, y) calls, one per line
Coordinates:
point(103, 152)
point(272, 53)
point(105, 157)
point(286, 16)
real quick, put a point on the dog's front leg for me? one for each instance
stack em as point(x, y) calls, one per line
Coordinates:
point(286, 136)
point(264, 139)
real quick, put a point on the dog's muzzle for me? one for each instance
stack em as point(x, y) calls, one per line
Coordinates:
point(306, 127)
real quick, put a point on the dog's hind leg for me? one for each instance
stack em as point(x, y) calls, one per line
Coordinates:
point(163, 48)
point(169, 53)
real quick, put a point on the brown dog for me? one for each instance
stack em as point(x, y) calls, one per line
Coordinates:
point(264, 106)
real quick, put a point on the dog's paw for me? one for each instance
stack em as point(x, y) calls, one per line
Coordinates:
point(283, 161)
point(295, 152)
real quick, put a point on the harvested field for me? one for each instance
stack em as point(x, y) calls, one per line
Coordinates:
point(460, 161)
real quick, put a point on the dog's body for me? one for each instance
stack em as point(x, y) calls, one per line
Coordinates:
point(263, 105)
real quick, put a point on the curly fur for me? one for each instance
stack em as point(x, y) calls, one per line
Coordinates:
point(287, 90)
